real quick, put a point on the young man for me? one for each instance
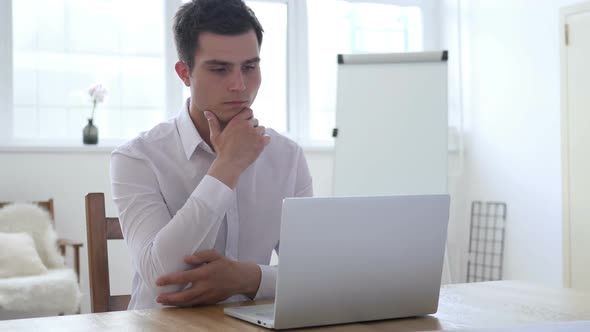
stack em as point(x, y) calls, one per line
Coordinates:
point(199, 197)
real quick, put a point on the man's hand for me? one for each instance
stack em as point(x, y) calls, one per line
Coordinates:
point(237, 146)
point(216, 279)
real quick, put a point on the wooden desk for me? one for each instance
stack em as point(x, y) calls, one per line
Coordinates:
point(490, 304)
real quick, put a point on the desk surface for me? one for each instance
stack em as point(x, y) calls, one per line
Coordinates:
point(476, 305)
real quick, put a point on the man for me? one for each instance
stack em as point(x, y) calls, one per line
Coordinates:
point(199, 196)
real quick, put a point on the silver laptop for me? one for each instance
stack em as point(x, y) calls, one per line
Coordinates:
point(352, 259)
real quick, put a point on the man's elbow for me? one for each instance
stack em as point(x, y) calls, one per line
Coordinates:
point(150, 271)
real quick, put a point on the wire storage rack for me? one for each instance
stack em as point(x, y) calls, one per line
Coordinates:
point(486, 241)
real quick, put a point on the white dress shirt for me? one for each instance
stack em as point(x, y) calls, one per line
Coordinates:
point(170, 208)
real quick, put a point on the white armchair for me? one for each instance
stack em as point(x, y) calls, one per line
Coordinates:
point(34, 281)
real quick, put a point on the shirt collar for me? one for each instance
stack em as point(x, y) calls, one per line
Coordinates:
point(189, 135)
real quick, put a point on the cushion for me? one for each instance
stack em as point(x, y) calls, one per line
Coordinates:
point(55, 291)
point(32, 219)
point(18, 256)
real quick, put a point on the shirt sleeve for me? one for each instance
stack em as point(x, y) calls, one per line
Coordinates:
point(158, 241)
point(303, 188)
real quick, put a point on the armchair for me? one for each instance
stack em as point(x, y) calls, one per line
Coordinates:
point(41, 285)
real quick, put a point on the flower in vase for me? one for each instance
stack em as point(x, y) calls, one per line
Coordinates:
point(97, 95)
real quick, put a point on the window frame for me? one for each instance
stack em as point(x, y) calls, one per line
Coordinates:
point(6, 69)
point(297, 71)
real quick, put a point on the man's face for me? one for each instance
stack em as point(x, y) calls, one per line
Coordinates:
point(226, 74)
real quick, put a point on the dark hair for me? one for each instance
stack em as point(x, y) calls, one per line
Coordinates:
point(224, 17)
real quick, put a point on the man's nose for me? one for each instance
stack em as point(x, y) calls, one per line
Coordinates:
point(237, 83)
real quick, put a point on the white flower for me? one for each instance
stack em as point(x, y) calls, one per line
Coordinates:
point(97, 93)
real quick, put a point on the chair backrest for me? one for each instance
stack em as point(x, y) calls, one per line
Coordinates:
point(47, 205)
point(100, 229)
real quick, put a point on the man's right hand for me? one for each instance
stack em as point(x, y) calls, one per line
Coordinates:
point(237, 146)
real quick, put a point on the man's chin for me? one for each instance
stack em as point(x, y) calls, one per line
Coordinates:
point(225, 117)
point(230, 112)
point(226, 112)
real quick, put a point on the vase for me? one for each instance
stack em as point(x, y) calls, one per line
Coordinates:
point(90, 133)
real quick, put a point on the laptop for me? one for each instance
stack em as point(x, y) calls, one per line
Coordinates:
point(353, 259)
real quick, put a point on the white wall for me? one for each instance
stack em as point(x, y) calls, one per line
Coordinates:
point(513, 127)
point(69, 176)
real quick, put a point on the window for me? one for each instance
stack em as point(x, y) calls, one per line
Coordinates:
point(271, 103)
point(62, 47)
point(353, 27)
point(378, 28)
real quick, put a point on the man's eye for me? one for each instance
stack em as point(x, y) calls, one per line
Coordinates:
point(249, 67)
point(218, 70)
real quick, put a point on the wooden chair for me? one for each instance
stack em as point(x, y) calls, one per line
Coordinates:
point(61, 243)
point(100, 229)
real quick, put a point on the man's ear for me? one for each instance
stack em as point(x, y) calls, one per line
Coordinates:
point(183, 72)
